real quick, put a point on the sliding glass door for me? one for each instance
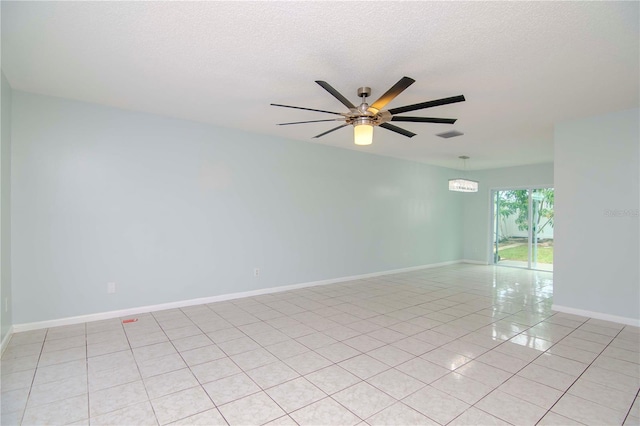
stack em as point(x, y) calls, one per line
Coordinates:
point(523, 228)
point(542, 228)
point(511, 218)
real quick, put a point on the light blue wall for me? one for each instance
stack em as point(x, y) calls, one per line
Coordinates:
point(597, 228)
point(172, 210)
point(477, 206)
point(5, 209)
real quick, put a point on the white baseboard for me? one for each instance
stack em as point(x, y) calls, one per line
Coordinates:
point(6, 339)
point(474, 262)
point(200, 301)
point(597, 315)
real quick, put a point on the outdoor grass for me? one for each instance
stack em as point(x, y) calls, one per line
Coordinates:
point(545, 254)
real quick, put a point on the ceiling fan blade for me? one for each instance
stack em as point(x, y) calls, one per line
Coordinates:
point(312, 121)
point(429, 104)
point(397, 130)
point(326, 86)
point(329, 131)
point(306, 109)
point(391, 93)
point(424, 119)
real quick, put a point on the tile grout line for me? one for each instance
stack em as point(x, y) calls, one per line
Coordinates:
point(33, 379)
point(153, 410)
point(631, 407)
point(86, 362)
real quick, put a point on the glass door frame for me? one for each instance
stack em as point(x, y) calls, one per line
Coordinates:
point(495, 225)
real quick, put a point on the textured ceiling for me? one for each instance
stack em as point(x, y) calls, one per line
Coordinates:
point(522, 66)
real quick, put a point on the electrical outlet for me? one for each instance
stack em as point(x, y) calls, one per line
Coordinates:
point(256, 272)
point(111, 288)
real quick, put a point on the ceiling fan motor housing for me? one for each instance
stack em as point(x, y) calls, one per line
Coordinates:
point(362, 120)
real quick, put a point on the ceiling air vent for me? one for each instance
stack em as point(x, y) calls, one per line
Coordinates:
point(451, 134)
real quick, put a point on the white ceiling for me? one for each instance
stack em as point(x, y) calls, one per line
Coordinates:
point(522, 66)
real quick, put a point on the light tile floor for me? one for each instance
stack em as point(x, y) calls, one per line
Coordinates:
point(458, 345)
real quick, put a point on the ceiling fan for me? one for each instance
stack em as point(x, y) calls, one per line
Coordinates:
point(365, 117)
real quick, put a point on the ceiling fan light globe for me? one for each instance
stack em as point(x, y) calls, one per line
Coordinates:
point(362, 134)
